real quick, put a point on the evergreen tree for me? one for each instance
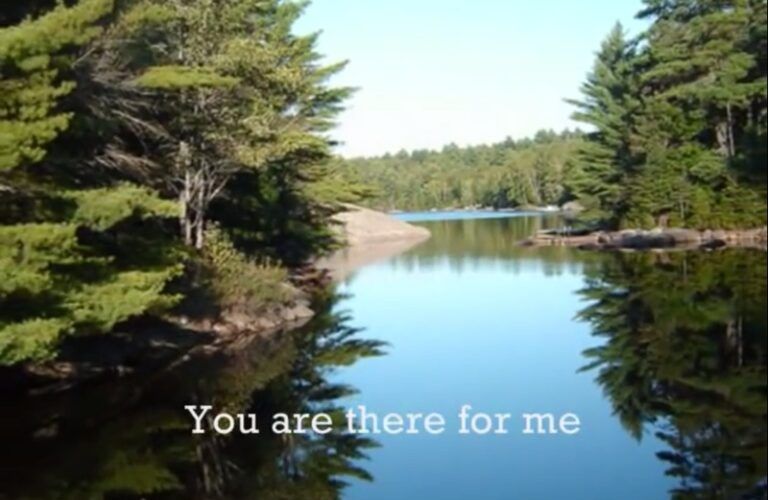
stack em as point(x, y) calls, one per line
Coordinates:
point(240, 95)
point(116, 119)
point(29, 89)
point(678, 121)
point(604, 163)
point(67, 266)
point(697, 75)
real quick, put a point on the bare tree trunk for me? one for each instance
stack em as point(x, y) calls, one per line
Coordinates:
point(731, 144)
point(721, 132)
point(200, 214)
point(186, 209)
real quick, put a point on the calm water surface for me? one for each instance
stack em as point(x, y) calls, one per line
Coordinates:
point(662, 357)
point(471, 318)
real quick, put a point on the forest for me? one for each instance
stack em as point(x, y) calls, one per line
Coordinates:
point(508, 174)
point(156, 157)
point(675, 124)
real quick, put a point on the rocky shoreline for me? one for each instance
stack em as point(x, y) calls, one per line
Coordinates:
point(149, 345)
point(659, 238)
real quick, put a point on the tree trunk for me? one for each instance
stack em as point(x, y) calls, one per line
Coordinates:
point(200, 215)
point(731, 144)
point(721, 131)
point(186, 209)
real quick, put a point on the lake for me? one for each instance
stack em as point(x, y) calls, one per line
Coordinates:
point(472, 319)
point(662, 356)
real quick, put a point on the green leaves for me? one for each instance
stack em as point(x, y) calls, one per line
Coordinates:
point(182, 78)
point(503, 175)
point(53, 285)
point(34, 339)
point(29, 89)
point(61, 27)
point(675, 119)
point(175, 104)
point(103, 208)
point(609, 105)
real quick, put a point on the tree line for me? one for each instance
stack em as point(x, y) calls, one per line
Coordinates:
point(511, 173)
point(153, 153)
point(676, 122)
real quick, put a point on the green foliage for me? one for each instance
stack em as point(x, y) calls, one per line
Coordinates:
point(604, 160)
point(677, 119)
point(235, 92)
point(33, 339)
point(191, 111)
point(507, 174)
point(103, 208)
point(240, 284)
point(181, 77)
point(53, 285)
point(335, 184)
point(29, 88)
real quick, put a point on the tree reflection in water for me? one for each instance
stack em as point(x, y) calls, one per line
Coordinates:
point(684, 354)
point(132, 439)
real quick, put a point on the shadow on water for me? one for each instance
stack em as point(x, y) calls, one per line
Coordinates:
point(683, 355)
point(132, 439)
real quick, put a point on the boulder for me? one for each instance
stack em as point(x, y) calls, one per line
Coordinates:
point(572, 207)
point(302, 311)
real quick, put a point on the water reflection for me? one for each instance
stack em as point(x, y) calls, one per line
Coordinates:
point(468, 244)
point(684, 356)
point(132, 439)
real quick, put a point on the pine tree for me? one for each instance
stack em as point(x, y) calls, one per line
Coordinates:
point(67, 265)
point(240, 96)
point(609, 104)
point(29, 88)
point(701, 87)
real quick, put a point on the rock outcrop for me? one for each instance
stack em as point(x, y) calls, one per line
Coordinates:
point(639, 239)
point(370, 236)
point(359, 226)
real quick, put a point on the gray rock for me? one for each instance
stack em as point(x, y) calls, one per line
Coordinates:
point(288, 314)
point(682, 236)
point(572, 207)
point(302, 311)
point(238, 320)
point(719, 234)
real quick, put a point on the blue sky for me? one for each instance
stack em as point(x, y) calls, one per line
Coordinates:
point(431, 72)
